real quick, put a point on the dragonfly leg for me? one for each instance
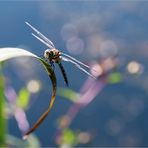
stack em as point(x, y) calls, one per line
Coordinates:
point(52, 64)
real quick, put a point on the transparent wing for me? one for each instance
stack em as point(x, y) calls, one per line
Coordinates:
point(72, 58)
point(41, 40)
point(76, 61)
point(78, 66)
point(41, 36)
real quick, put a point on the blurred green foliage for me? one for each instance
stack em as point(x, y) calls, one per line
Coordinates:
point(69, 137)
point(23, 98)
point(114, 77)
point(68, 94)
point(21, 102)
point(13, 141)
point(3, 123)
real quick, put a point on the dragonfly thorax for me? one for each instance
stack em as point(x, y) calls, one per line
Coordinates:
point(53, 55)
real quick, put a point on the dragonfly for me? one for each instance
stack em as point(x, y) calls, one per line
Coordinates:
point(53, 55)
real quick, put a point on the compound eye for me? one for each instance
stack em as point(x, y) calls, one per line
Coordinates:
point(46, 54)
point(51, 54)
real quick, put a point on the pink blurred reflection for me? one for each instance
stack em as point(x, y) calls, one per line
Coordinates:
point(10, 94)
point(18, 112)
point(21, 119)
point(75, 45)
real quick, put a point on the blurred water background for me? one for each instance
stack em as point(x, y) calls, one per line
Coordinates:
point(90, 31)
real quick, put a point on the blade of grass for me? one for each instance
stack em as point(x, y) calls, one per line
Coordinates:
point(44, 115)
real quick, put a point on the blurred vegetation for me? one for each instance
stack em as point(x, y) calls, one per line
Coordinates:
point(23, 98)
point(22, 102)
point(3, 122)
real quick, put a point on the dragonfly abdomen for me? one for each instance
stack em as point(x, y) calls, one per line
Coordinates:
point(63, 73)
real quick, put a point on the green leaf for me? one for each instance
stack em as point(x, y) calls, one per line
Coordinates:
point(9, 53)
point(23, 98)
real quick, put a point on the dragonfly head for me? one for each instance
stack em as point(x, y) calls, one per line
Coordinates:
point(53, 55)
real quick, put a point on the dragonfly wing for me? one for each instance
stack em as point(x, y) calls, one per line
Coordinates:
point(78, 66)
point(41, 36)
point(77, 61)
point(41, 40)
point(63, 73)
